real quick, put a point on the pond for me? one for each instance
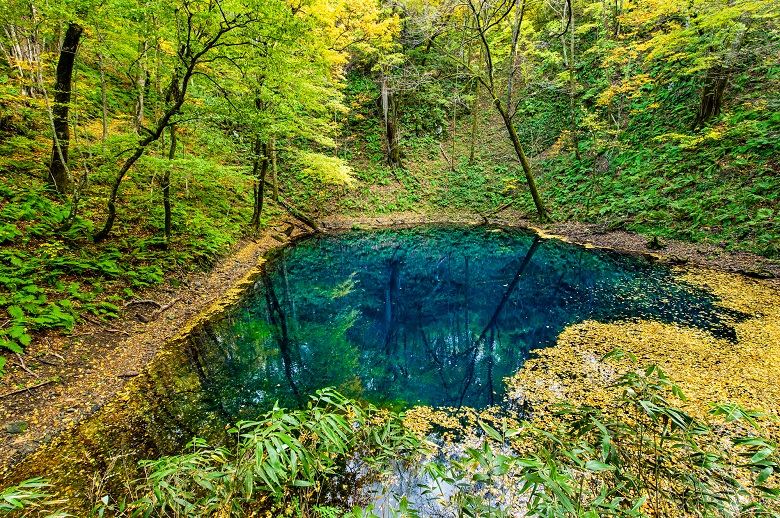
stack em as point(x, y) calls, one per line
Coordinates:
point(435, 316)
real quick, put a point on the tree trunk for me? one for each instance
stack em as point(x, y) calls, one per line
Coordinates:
point(274, 179)
point(104, 103)
point(140, 84)
point(74, 202)
point(474, 123)
point(178, 95)
point(519, 15)
point(58, 172)
point(711, 95)
point(390, 112)
point(261, 163)
point(256, 150)
point(167, 186)
point(575, 135)
point(529, 177)
point(177, 91)
point(715, 83)
point(454, 130)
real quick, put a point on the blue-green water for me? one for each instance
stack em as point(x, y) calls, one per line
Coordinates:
point(435, 315)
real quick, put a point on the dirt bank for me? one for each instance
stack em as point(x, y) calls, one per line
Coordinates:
point(71, 377)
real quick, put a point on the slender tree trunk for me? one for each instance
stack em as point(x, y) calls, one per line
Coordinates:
point(529, 177)
point(58, 172)
point(74, 201)
point(474, 123)
point(261, 163)
point(454, 129)
point(256, 150)
point(140, 85)
point(167, 186)
point(103, 95)
point(575, 135)
point(274, 178)
point(178, 95)
point(516, 26)
point(177, 91)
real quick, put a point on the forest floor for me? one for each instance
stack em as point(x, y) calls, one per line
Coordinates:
point(84, 370)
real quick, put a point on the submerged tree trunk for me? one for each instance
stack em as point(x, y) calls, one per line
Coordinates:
point(58, 171)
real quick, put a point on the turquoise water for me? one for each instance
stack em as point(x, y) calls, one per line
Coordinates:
point(434, 315)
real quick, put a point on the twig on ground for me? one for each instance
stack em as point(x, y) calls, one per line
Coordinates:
point(164, 308)
point(23, 366)
point(143, 301)
point(19, 391)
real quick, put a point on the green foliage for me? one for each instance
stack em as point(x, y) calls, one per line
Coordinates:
point(30, 496)
point(639, 456)
point(291, 456)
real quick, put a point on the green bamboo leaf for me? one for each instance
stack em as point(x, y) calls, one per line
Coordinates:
point(594, 465)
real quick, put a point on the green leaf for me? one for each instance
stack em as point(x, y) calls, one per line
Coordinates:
point(594, 465)
point(764, 475)
point(492, 432)
point(16, 312)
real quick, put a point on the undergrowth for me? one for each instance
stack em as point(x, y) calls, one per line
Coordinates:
point(639, 456)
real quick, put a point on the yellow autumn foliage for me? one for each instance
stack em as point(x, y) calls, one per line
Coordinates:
point(707, 369)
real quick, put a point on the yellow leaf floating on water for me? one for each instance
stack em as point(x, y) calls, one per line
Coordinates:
point(707, 369)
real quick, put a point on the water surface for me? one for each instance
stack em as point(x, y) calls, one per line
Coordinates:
point(430, 315)
point(433, 315)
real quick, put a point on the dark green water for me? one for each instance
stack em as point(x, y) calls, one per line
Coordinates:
point(437, 316)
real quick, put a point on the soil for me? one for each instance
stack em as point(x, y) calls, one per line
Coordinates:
point(75, 375)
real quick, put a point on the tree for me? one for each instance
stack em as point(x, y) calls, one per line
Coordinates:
point(58, 171)
point(669, 43)
point(484, 23)
point(202, 29)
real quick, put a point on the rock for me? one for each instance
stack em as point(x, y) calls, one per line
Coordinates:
point(16, 427)
point(142, 318)
point(655, 244)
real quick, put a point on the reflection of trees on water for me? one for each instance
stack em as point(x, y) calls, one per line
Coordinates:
point(438, 316)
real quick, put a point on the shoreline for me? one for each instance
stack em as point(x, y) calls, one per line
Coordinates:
point(120, 350)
